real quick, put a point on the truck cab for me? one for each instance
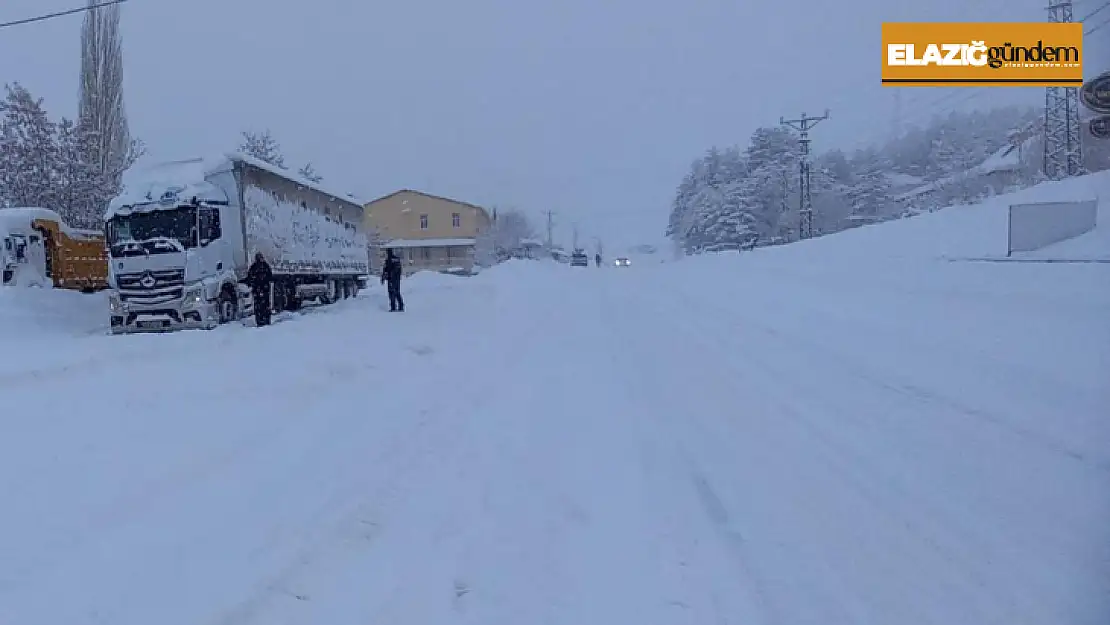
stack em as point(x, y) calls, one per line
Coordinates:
point(23, 260)
point(170, 263)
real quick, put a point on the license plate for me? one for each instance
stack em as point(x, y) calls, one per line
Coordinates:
point(151, 324)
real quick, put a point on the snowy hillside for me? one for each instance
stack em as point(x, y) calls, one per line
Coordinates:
point(972, 231)
point(851, 430)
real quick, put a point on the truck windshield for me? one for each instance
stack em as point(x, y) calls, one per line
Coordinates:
point(152, 233)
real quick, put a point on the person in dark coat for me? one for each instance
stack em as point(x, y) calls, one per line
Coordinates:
point(391, 273)
point(597, 259)
point(259, 279)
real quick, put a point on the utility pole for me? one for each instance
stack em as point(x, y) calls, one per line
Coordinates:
point(550, 229)
point(896, 122)
point(1063, 152)
point(575, 244)
point(805, 202)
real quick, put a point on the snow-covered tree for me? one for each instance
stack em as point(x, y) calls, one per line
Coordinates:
point(504, 238)
point(869, 193)
point(82, 191)
point(263, 146)
point(55, 165)
point(28, 151)
point(308, 172)
point(947, 148)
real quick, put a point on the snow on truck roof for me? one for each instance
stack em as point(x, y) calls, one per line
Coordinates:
point(27, 214)
point(20, 217)
point(189, 178)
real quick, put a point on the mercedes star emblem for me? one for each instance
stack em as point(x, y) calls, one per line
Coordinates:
point(148, 281)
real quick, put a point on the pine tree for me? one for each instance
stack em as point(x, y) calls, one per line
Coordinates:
point(728, 219)
point(262, 146)
point(680, 206)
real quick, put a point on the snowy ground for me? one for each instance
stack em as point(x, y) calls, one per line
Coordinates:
point(851, 430)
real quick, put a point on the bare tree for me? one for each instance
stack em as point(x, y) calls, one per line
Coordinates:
point(308, 172)
point(263, 146)
point(505, 238)
point(101, 107)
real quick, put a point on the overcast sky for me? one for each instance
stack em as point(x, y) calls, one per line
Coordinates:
point(591, 108)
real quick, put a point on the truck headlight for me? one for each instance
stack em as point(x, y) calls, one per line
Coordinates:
point(194, 296)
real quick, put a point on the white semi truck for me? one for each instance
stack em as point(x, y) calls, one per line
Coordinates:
point(181, 240)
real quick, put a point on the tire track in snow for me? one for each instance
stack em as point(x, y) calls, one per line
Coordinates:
point(991, 365)
point(327, 561)
point(884, 493)
point(851, 464)
point(747, 551)
point(154, 512)
point(710, 586)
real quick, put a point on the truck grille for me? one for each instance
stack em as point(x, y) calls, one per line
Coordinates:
point(151, 287)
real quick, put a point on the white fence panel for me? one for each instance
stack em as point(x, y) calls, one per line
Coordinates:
point(1039, 224)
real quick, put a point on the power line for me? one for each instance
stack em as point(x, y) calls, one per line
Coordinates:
point(1100, 9)
point(1100, 26)
point(41, 18)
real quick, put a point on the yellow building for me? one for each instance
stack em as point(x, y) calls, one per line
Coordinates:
point(428, 232)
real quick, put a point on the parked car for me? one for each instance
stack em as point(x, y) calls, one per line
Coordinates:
point(622, 262)
point(579, 259)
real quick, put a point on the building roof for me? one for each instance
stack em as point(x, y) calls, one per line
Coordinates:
point(429, 195)
point(406, 243)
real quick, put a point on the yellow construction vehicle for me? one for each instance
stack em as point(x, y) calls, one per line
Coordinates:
point(40, 249)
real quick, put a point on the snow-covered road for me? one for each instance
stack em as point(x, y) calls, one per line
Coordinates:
point(713, 441)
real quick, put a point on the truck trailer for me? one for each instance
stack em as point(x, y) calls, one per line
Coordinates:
point(40, 249)
point(181, 240)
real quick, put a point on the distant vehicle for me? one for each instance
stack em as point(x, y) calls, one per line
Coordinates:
point(579, 259)
point(622, 262)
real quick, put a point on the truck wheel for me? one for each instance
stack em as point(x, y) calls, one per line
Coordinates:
point(229, 307)
point(333, 293)
point(292, 300)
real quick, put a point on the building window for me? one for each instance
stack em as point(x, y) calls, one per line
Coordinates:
point(423, 222)
point(426, 252)
point(456, 220)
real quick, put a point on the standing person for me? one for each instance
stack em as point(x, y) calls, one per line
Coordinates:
point(597, 259)
point(391, 272)
point(259, 279)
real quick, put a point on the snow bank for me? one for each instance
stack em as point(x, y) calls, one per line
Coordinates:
point(50, 312)
point(972, 231)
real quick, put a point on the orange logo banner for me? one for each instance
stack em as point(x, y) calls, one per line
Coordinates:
point(1022, 54)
